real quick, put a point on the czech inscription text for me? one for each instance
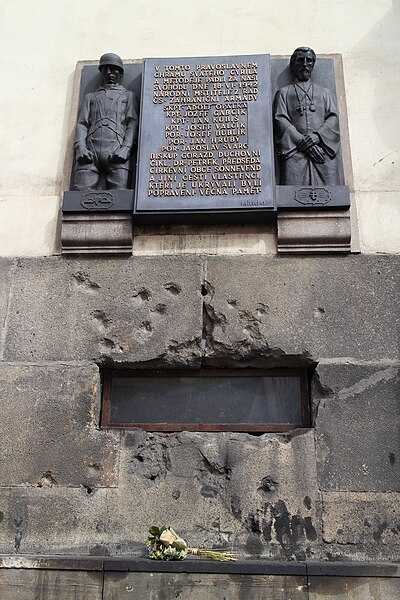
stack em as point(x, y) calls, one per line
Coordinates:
point(206, 149)
point(205, 143)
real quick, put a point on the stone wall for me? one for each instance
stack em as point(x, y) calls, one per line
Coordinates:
point(111, 579)
point(192, 297)
point(69, 487)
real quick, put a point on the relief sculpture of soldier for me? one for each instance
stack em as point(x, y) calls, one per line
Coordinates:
point(106, 132)
point(306, 127)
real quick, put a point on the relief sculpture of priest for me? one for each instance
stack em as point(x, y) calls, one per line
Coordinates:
point(306, 127)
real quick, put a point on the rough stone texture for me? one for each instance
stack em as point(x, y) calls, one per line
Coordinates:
point(59, 520)
point(24, 584)
point(257, 493)
point(353, 588)
point(357, 428)
point(124, 310)
point(190, 586)
point(49, 428)
point(5, 281)
point(326, 307)
point(361, 524)
point(18, 584)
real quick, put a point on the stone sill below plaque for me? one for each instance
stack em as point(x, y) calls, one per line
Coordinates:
point(100, 222)
point(298, 232)
point(312, 232)
point(194, 565)
point(97, 222)
point(96, 233)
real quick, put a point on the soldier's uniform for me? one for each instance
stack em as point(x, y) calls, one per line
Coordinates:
point(107, 121)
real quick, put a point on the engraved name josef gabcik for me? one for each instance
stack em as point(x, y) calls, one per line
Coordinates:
point(97, 201)
point(313, 195)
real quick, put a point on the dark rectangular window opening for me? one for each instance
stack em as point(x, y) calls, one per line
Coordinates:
point(247, 400)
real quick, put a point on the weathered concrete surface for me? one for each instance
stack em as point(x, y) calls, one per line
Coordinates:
point(191, 586)
point(19, 584)
point(361, 524)
point(327, 307)
point(64, 520)
point(49, 428)
point(257, 493)
point(146, 309)
point(353, 588)
point(357, 428)
point(5, 286)
point(124, 310)
point(86, 491)
point(25, 584)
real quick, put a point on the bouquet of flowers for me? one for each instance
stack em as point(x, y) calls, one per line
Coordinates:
point(163, 543)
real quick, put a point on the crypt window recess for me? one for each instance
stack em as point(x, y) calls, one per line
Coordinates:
point(251, 400)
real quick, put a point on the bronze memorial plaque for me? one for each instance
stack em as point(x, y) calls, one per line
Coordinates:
point(205, 142)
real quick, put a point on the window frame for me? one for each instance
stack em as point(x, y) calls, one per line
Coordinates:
point(302, 374)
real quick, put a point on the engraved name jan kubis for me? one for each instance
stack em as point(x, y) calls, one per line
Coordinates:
point(206, 135)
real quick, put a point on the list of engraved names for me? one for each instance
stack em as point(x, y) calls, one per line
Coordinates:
point(205, 148)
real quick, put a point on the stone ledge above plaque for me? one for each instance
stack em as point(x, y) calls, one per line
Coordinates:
point(205, 144)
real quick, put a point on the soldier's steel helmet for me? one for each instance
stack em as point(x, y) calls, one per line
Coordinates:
point(111, 59)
